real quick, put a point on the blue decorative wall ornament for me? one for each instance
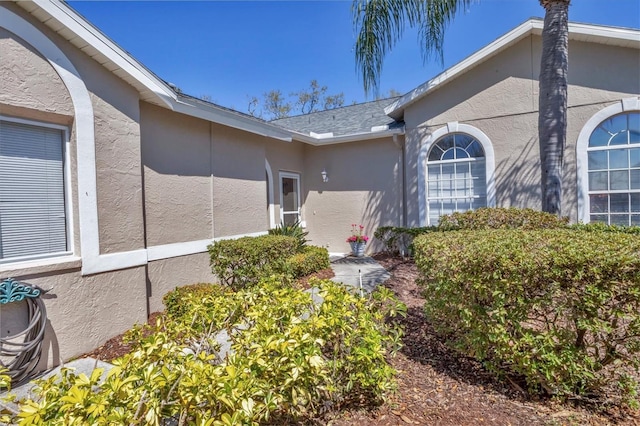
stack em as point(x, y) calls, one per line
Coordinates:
point(12, 291)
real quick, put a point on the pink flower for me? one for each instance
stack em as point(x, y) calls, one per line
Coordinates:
point(357, 234)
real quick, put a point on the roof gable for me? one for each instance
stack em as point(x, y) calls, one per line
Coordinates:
point(624, 37)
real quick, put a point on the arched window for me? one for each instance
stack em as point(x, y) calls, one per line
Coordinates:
point(456, 176)
point(457, 172)
point(613, 166)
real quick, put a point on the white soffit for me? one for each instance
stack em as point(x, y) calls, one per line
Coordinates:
point(623, 37)
point(60, 18)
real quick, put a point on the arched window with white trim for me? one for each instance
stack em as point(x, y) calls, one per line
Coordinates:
point(613, 164)
point(457, 172)
point(456, 176)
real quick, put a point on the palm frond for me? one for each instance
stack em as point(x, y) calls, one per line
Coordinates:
point(381, 23)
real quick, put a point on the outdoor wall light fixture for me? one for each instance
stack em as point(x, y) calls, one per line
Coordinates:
point(325, 176)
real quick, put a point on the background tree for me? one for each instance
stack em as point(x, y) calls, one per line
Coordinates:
point(275, 105)
point(380, 24)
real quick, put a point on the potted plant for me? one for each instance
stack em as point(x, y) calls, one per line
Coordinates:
point(357, 240)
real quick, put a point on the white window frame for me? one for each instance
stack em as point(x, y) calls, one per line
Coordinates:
point(582, 145)
point(296, 176)
point(489, 156)
point(67, 189)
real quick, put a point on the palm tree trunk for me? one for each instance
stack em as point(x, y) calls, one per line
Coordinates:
point(552, 119)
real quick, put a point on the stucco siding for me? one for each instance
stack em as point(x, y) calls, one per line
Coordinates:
point(500, 98)
point(28, 82)
point(239, 182)
point(364, 188)
point(176, 156)
point(83, 312)
point(167, 274)
point(119, 180)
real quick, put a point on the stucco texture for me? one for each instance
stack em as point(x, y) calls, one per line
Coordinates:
point(29, 86)
point(500, 98)
point(176, 156)
point(365, 187)
point(239, 182)
point(167, 274)
point(83, 312)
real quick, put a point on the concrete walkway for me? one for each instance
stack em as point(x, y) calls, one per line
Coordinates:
point(348, 269)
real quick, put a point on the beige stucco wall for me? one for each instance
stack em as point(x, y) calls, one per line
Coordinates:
point(176, 156)
point(83, 311)
point(364, 188)
point(500, 97)
point(165, 275)
point(239, 182)
point(29, 86)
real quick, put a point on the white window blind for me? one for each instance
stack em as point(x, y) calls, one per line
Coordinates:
point(32, 196)
point(456, 176)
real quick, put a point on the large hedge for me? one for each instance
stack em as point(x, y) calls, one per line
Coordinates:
point(501, 218)
point(399, 239)
point(560, 307)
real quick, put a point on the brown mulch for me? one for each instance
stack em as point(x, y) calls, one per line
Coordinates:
point(437, 386)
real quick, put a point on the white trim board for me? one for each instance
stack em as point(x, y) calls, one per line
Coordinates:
point(167, 251)
point(270, 196)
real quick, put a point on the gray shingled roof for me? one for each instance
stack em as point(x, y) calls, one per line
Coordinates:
point(358, 118)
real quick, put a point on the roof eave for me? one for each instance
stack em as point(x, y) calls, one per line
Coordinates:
point(62, 19)
point(353, 137)
point(231, 119)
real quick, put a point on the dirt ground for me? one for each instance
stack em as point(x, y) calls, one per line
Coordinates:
point(436, 386)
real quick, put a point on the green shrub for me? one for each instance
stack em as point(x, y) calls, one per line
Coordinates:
point(399, 239)
point(560, 307)
point(501, 218)
point(242, 262)
point(603, 227)
point(311, 259)
point(292, 360)
point(295, 230)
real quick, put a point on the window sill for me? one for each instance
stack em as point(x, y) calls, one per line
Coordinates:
point(39, 266)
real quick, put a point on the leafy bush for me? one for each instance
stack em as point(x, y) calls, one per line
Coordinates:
point(291, 360)
point(603, 227)
point(560, 307)
point(295, 230)
point(399, 239)
point(311, 259)
point(241, 263)
point(501, 218)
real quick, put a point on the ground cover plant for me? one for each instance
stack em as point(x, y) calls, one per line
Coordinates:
point(290, 359)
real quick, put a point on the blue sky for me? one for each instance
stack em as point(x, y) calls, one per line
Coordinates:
point(231, 50)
